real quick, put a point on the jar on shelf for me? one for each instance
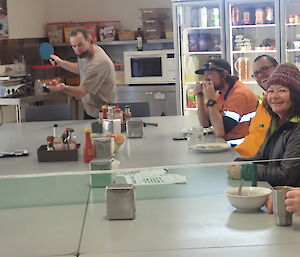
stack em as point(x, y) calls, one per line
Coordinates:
point(216, 13)
point(297, 18)
point(247, 16)
point(259, 15)
point(297, 61)
point(202, 17)
point(269, 15)
point(193, 42)
point(203, 42)
point(297, 42)
point(235, 16)
point(292, 18)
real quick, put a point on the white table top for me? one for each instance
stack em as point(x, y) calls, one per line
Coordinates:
point(184, 217)
point(156, 148)
point(289, 250)
point(45, 216)
point(41, 231)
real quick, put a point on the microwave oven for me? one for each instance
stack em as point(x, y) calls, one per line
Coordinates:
point(150, 67)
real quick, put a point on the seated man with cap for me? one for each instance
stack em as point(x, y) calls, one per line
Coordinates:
point(224, 102)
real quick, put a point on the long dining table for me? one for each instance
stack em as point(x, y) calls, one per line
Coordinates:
point(63, 215)
point(156, 148)
point(56, 209)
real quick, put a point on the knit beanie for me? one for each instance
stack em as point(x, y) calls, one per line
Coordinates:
point(286, 75)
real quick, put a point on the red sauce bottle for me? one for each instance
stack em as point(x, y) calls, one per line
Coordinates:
point(88, 150)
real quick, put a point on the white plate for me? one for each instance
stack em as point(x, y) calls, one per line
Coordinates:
point(211, 147)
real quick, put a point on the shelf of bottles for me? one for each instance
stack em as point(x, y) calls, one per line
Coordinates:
point(253, 29)
point(200, 31)
point(292, 31)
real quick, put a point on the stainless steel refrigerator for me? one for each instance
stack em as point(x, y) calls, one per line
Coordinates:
point(245, 29)
point(199, 34)
point(252, 29)
point(290, 28)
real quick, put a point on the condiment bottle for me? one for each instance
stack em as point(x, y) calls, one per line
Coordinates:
point(127, 113)
point(50, 143)
point(58, 143)
point(57, 140)
point(72, 140)
point(104, 111)
point(88, 150)
point(110, 112)
point(118, 113)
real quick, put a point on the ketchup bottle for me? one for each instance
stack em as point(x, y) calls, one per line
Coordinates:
point(88, 150)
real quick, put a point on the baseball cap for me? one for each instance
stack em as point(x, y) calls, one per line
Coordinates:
point(215, 64)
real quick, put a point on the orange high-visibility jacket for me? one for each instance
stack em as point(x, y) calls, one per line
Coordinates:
point(257, 133)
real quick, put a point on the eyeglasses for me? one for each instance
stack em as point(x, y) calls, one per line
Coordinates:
point(262, 70)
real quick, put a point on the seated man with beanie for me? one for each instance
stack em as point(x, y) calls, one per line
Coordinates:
point(224, 102)
point(263, 67)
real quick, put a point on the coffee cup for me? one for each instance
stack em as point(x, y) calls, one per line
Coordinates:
point(282, 217)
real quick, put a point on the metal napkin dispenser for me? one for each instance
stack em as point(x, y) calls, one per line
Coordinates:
point(112, 126)
point(120, 202)
point(104, 147)
point(134, 128)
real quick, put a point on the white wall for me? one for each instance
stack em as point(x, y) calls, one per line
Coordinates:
point(28, 17)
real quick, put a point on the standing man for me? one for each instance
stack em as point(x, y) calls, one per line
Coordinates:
point(97, 74)
point(224, 102)
point(263, 66)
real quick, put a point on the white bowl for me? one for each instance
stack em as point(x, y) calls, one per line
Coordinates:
point(251, 199)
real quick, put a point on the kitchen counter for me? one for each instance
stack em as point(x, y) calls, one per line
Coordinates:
point(29, 100)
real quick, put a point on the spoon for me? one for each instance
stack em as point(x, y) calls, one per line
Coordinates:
point(240, 187)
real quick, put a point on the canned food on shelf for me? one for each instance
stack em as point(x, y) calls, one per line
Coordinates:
point(297, 18)
point(68, 27)
point(91, 27)
point(126, 35)
point(108, 30)
point(292, 18)
point(55, 32)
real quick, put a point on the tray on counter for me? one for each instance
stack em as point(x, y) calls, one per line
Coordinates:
point(56, 156)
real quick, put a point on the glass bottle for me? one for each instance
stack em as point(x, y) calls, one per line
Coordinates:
point(127, 113)
point(139, 39)
point(104, 111)
point(110, 112)
point(72, 140)
point(235, 12)
point(118, 113)
point(269, 15)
